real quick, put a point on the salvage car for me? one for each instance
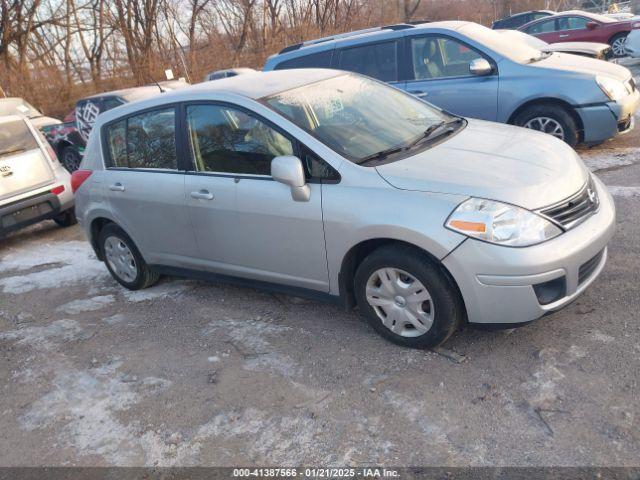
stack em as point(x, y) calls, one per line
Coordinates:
point(458, 66)
point(33, 185)
point(599, 51)
point(19, 106)
point(336, 186)
point(581, 26)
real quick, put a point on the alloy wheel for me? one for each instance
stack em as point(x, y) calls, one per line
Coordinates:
point(400, 301)
point(120, 259)
point(618, 47)
point(546, 125)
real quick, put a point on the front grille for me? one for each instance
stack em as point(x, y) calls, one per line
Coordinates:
point(576, 209)
point(632, 84)
point(587, 268)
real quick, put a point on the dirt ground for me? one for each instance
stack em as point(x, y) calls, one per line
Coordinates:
point(192, 373)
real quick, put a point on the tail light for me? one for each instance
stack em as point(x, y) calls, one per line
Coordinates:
point(78, 178)
point(57, 190)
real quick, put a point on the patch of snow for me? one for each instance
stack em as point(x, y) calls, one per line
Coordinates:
point(158, 291)
point(87, 304)
point(625, 192)
point(117, 318)
point(213, 359)
point(42, 336)
point(600, 159)
point(71, 263)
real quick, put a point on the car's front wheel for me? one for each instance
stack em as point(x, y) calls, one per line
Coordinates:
point(407, 298)
point(123, 259)
point(618, 44)
point(551, 119)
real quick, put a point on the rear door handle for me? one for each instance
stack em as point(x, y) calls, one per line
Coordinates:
point(117, 187)
point(418, 93)
point(564, 36)
point(202, 195)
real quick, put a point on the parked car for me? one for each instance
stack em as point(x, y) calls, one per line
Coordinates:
point(632, 45)
point(230, 72)
point(580, 26)
point(599, 51)
point(518, 19)
point(459, 65)
point(69, 138)
point(341, 187)
point(33, 184)
point(19, 106)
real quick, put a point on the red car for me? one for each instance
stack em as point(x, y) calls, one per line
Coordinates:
point(579, 26)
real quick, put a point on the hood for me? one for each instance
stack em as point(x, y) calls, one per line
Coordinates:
point(40, 122)
point(584, 47)
point(494, 161)
point(586, 65)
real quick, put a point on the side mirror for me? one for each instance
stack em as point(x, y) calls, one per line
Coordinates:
point(480, 66)
point(591, 25)
point(288, 170)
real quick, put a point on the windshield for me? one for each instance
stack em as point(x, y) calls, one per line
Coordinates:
point(494, 40)
point(15, 137)
point(356, 116)
point(11, 106)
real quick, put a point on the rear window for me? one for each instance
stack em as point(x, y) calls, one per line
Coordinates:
point(377, 61)
point(315, 60)
point(146, 141)
point(15, 137)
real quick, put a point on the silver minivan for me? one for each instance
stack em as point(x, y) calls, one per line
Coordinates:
point(335, 185)
point(34, 186)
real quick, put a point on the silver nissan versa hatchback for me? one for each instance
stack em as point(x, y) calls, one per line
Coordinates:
point(333, 184)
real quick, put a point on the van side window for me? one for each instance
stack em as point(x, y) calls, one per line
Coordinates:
point(314, 60)
point(146, 141)
point(440, 57)
point(378, 60)
point(228, 140)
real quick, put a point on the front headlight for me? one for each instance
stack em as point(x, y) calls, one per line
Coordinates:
point(500, 223)
point(614, 89)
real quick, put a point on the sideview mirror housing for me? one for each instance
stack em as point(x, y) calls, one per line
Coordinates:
point(591, 25)
point(480, 67)
point(288, 170)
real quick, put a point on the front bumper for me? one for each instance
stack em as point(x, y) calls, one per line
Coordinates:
point(497, 283)
point(606, 120)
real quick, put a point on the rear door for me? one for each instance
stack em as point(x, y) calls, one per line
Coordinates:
point(545, 30)
point(144, 182)
point(23, 165)
point(438, 72)
point(378, 60)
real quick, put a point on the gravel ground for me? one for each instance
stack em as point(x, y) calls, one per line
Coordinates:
point(192, 373)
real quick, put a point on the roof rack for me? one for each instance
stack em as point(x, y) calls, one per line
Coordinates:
point(296, 46)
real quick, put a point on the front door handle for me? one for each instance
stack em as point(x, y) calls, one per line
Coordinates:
point(202, 195)
point(564, 35)
point(117, 187)
point(418, 93)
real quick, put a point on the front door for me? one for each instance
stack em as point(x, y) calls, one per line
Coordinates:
point(145, 186)
point(439, 73)
point(251, 227)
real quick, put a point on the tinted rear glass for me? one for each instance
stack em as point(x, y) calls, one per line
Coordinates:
point(15, 137)
point(315, 60)
point(377, 61)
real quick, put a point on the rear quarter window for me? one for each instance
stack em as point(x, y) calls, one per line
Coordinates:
point(314, 60)
point(15, 137)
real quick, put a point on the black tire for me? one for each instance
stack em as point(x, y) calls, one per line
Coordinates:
point(448, 306)
point(555, 112)
point(616, 38)
point(145, 277)
point(70, 158)
point(66, 219)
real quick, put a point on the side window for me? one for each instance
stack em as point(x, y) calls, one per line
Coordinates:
point(542, 27)
point(572, 23)
point(315, 60)
point(144, 141)
point(109, 103)
point(228, 140)
point(537, 16)
point(440, 57)
point(377, 61)
point(317, 168)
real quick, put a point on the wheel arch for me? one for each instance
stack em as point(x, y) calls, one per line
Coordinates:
point(618, 34)
point(357, 253)
point(550, 101)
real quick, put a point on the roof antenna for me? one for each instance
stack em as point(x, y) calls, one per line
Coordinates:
point(162, 90)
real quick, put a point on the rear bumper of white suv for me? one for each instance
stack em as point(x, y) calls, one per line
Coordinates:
point(503, 285)
point(33, 209)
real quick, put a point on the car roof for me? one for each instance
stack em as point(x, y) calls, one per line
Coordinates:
point(326, 43)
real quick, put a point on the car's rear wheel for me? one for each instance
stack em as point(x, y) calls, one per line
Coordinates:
point(70, 158)
point(618, 44)
point(407, 298)
point(551, 119)
point(123, 260)
point(66, 219)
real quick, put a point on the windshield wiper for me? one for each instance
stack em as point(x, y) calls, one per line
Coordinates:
point(9, 152)
point(428, 133)
point(381, 155)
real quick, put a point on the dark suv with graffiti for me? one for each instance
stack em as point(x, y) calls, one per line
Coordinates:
point(68, 139)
